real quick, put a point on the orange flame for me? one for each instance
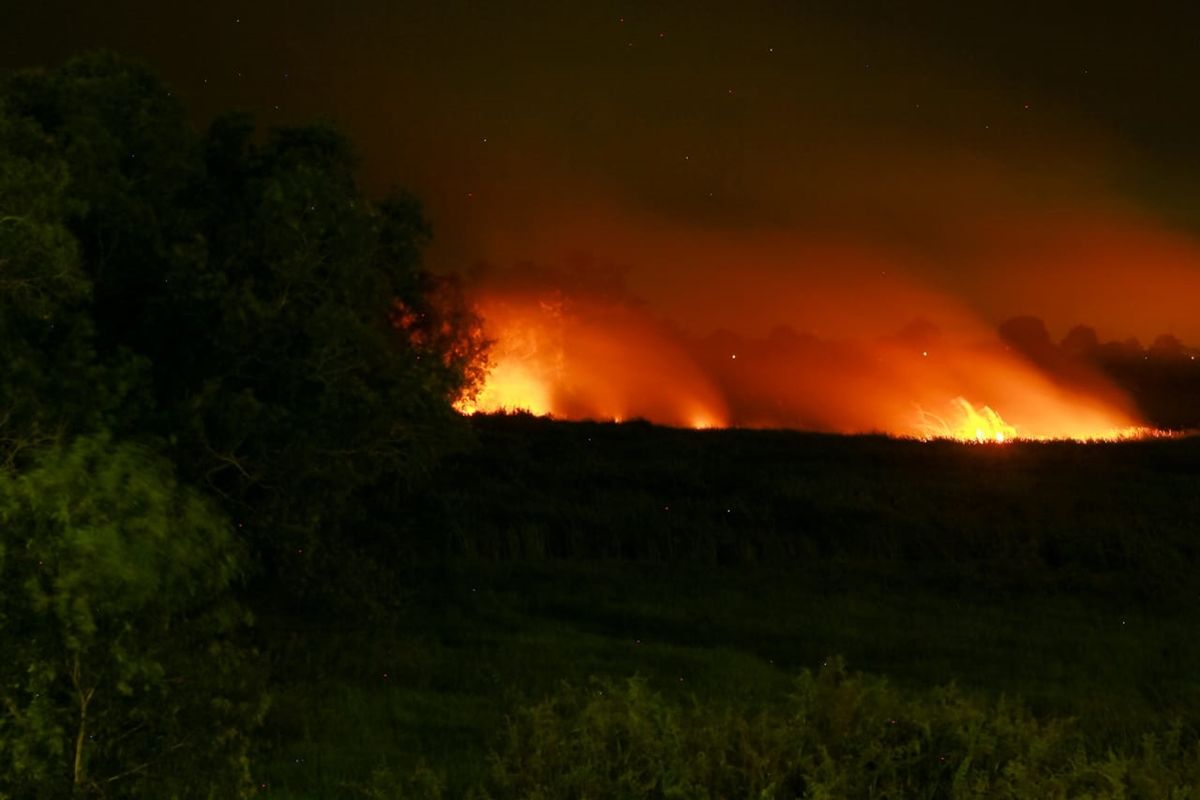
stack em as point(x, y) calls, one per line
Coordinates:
point(572, 358)
point(983, 425)
point(972, 424)
point(589, 360)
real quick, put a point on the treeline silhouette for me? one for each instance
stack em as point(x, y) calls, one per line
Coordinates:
point(1163, 379)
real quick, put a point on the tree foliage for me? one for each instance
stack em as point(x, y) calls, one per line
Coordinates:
point(120, 669)
point(46, 357)
point(232, 302)
point(253, 310)
point(837, 735)
point(300, 391)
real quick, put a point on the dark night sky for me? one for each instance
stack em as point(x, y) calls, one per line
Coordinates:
point(828, 165)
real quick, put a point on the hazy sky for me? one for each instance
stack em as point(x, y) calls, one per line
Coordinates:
point(838, 166)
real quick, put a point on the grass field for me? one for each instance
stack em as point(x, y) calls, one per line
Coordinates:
point(719, 565)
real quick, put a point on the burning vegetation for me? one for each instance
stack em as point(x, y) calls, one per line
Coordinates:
point(578, 359)
point(585, 354)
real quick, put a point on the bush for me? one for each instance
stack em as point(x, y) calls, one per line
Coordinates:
point(839, 735)
point(121, 674)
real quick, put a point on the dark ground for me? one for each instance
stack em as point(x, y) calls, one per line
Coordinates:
point(718, 564)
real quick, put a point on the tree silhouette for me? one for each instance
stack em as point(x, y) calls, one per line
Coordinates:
point(229, 302)
point(243, 293)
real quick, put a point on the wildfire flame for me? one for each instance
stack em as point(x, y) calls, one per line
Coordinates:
point(970, 424)
point(983, 425)
point(590, 360)
point(510, 386)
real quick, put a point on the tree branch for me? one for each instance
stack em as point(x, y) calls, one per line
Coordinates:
point(85, 699)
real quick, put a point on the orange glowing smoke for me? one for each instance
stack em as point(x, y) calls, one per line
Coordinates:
point(983, 425)
point(575, 357)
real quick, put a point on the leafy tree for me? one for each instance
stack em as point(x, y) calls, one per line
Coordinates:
point(837, 735)
point(121, 672)
point(47, 361)
point(130, 157)
point(233, 300)
point(301, 362)
point(303, 390)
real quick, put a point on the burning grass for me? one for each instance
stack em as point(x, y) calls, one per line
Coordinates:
point(587, 358)
point(983, 425)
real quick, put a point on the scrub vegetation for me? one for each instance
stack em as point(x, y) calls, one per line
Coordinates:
point(583, 590)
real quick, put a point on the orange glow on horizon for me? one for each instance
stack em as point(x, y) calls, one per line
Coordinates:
point(589, 360)
point(983, 425)
point(575, 357)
